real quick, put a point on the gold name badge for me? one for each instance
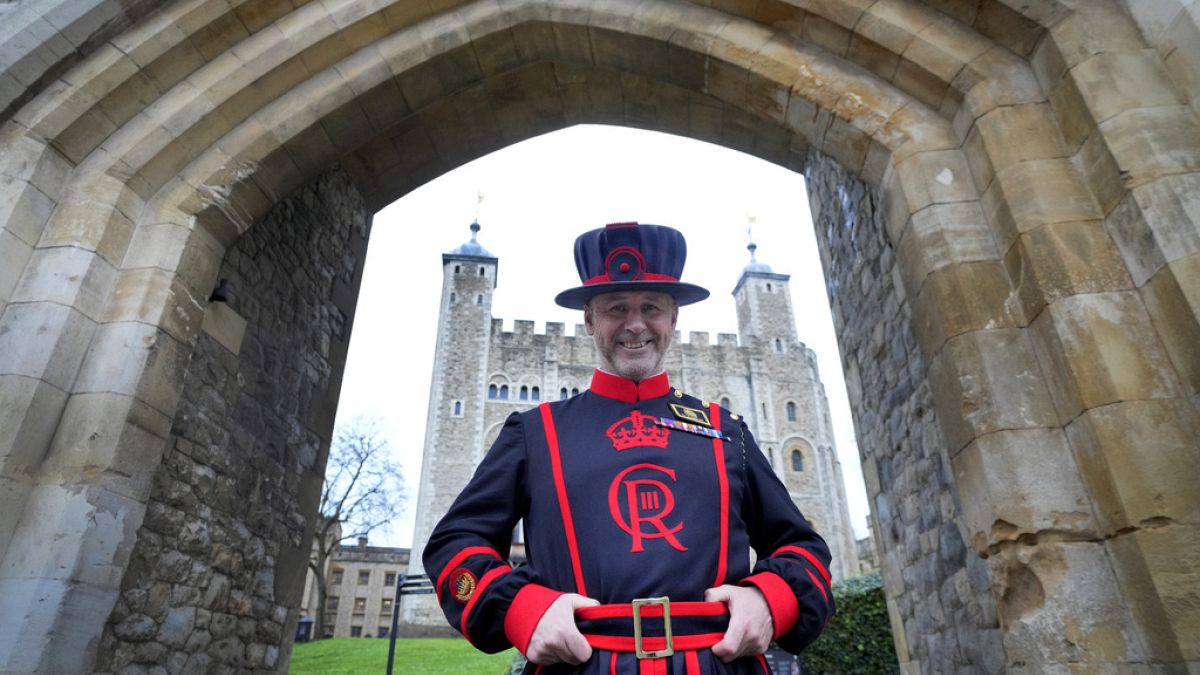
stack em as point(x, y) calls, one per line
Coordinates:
point(690, 415)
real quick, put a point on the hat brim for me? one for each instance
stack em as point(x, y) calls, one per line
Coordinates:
point(684, 294)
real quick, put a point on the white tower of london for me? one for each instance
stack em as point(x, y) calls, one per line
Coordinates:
point(482, 374)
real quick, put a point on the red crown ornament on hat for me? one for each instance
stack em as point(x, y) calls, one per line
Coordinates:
point(637, 431)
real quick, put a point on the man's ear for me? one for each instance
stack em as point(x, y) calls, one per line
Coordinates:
point(674, 314)
point(587, 319)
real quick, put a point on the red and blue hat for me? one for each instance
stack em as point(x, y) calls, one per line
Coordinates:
point(630, 257)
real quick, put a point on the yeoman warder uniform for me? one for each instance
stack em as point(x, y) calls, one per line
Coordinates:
point(635, 494)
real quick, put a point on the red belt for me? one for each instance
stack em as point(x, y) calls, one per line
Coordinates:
point(652, 647)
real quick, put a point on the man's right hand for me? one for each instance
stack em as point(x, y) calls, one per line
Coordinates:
point(557, 639)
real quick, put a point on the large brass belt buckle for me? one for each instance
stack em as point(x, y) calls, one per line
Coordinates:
point(638, 604)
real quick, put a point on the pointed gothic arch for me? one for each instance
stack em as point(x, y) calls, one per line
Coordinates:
point(140, 151)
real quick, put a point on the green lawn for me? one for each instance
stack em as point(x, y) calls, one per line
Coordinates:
point(353, 656)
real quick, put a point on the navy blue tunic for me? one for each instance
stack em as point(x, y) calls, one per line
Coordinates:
point(617, 506)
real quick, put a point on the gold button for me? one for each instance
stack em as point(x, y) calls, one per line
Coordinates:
point(733, 416)
point(678, 394)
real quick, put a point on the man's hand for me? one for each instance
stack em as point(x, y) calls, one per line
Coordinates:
point(556, 639)
point(750, 625)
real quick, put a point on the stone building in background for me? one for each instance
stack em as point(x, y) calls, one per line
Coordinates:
point(362, 587)
point(482, 374)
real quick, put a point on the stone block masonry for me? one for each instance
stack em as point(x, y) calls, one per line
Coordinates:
point(943, 616)
point(218, 569)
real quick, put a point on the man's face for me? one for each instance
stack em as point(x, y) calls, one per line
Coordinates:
point(632, 331)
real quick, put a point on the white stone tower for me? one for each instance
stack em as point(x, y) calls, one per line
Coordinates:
point(789, 412)
point(456, 398)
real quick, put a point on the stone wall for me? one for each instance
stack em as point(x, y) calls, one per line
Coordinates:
point(943, 615)
point(219, 564)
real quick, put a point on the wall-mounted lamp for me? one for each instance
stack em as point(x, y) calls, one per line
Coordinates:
point(221, 292)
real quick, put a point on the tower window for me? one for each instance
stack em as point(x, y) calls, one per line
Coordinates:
point(480, 271)
point(452, 297)
point(457, 268)
point(458, 408)
point(537, 394)
point(764, 407)
point(769, 287)
point(574, 391)
point(479, 299)
point(504, 392)
point(791, 411)
point(492, 391)
point(563, 394)
point(725, 402)
point(524, 393)
point(797, 461)
point(778, 345)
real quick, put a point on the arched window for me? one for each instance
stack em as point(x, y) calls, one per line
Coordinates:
point(452, 297)
point(504, 392)
point(725, 403)
point(480, 271)
point(768, 287)
point(791, 411)
point(574, 391)
point(770, 457)
point(797, 461)
point(456, 268)
point(562, 394)
point(492, 391)
point(524, 393)
point(457, 408)
point(537, 393)
point(778, 345)
point(479, 299)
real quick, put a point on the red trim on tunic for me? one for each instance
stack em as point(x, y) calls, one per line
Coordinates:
point(807, 556)
point(762, 661)
point(691, 662)
point(612, 663)
point(818, 585)
point(615, 386)
point(479, 590)
point(785, 609)
point(563, 504)
point(524, 613)
point(457, 559)
point(723, 487)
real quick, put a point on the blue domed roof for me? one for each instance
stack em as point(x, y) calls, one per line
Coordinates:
point(755, 266)
point(472, 248)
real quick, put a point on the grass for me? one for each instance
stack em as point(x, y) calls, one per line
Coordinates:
point(435, 656)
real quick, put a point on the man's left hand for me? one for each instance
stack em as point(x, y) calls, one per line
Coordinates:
point(750, 624)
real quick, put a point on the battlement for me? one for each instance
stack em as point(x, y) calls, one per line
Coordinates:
point(526, 327)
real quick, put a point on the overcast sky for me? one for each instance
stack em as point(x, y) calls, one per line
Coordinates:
point(538, 196)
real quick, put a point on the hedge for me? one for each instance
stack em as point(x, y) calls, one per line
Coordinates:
point(858, 638)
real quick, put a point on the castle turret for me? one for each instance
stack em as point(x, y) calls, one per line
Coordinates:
point(764, 304)
point(456, 391)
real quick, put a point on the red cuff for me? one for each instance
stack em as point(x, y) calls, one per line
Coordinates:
point(526, 610)
point(785, 610)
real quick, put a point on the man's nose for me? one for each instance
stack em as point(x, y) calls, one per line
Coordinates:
point(634, 321)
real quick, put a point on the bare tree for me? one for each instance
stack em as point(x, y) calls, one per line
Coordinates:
point(363, 491)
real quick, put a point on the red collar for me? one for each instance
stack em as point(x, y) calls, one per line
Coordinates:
point(615, 386)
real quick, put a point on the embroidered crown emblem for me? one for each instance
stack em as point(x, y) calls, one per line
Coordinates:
point(638, 430)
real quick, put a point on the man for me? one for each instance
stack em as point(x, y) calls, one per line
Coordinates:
point(640, 505)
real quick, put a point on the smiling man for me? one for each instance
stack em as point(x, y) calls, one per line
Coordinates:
point(641, 505)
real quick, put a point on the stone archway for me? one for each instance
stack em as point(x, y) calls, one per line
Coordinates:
point(1024, 172)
